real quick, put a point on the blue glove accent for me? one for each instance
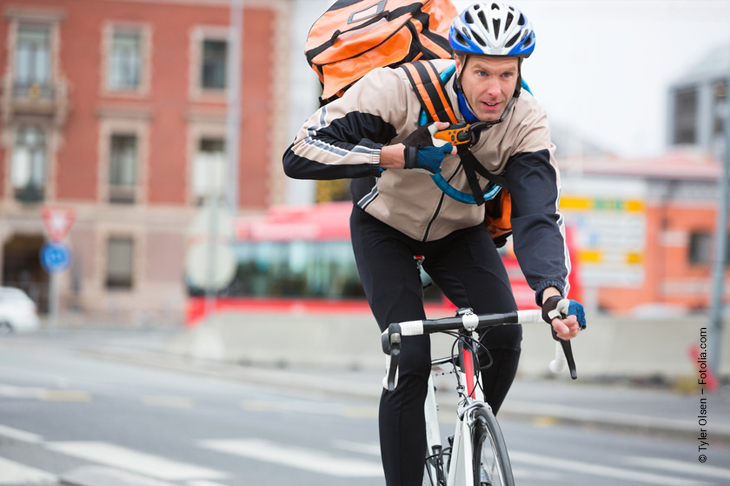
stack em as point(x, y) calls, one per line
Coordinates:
point(576, 309)
point(426, 159)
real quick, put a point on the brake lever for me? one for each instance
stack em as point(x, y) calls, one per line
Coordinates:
point(390, 342)
point(568, 352)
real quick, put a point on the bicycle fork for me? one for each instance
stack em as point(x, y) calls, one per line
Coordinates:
point(434, 462)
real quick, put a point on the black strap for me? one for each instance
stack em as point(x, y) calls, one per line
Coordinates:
point(471, 168)
point(468, 161)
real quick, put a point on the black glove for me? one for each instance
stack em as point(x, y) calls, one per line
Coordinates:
point(422, 153)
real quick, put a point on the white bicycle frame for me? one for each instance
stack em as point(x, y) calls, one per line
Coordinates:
point(459, 469)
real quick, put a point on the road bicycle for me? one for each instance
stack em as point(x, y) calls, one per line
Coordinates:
point(476, 454)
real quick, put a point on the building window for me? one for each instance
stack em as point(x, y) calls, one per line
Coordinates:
point(209, 171)
point(125, 64)
point(120, 263)
point(123, 169)
point(685, 116)
point(32, 60)
point(213, 74)
point(29, 164)
point(700, 247)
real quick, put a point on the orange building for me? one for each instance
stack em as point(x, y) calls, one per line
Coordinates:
point(646, 231)
point(117, 110)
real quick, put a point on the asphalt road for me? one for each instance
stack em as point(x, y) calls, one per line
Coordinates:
point(102, 423)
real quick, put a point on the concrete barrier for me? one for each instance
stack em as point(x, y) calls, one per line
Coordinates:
point(611, 347)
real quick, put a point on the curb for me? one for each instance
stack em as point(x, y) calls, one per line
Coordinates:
point(637, 424)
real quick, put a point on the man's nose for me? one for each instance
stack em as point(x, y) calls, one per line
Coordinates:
point(492, 86)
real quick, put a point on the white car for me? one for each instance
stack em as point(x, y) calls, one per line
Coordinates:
point(18, 313)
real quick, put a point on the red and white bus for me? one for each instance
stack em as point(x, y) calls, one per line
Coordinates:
point(299, 259)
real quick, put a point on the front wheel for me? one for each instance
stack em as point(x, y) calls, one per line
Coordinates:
point(491, 462)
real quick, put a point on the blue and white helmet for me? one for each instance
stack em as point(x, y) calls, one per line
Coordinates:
point(492, 29)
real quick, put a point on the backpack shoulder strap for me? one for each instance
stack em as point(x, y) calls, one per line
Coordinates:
point(431, 91)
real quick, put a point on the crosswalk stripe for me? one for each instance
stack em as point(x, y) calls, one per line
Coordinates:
point(598, 470)
point(681, 466)
point(12, 472)
point(20, 435)
point(131, 460)
point(202, 483)
point(296, 457)
point(346, 445)
point(11, 391)
point(167, 401)
point(65, 396)
point(101, 475)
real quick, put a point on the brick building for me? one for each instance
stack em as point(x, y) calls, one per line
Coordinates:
point(117, 111)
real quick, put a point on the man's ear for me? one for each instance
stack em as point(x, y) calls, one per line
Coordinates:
point(459, 60)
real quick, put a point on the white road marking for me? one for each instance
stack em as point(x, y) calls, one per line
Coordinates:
point(298, 406)
point(20, 435)
point(598, 470)
point(100, 475)
point(12, 391)
point(203, 483)
point(131, 460)
point(681, 466)
point(52, 395)
point(167, 401)
point(296, 457)
point(372, 449)
point(12, 472)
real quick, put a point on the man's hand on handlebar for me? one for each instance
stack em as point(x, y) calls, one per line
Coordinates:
point(567, 328)
point(566, 316)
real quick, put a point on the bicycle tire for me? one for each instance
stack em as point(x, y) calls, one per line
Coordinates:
point(491, 462)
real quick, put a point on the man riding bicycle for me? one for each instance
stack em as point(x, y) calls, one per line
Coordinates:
point(372, 135)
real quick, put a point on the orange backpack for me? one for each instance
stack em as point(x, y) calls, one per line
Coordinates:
point(353, 37)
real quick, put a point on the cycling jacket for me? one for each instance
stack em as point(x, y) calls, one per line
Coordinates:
point(343, 140)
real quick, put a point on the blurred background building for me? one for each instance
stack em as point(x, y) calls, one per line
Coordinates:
point(117, 111)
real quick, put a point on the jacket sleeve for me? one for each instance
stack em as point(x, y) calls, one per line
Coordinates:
point(343, 138)
point(537, 226)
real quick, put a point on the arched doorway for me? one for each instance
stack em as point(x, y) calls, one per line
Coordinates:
point(22, 268)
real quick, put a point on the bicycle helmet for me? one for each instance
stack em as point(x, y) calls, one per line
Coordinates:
point(492, 29)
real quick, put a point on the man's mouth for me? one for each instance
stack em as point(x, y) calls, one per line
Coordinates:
point(491, 104)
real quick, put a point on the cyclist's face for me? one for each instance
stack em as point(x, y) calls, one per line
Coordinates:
point(488, 83)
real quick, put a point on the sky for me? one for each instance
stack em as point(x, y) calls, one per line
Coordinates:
point(603, 68)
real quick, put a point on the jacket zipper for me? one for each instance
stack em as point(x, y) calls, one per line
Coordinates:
point(438, 208)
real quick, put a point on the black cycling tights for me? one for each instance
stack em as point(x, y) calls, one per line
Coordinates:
point(467, 268)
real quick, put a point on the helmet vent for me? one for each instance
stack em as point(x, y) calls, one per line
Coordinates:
point(479, 39)
point(513, 40)
point(496, 6)
point(496, 23)
point(509, 20)
point(469, 19)
point(483, 20)
point(528, 42)
point(521, 21)
point(461, 38)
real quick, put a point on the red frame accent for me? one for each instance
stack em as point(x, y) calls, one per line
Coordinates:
point(467, 360)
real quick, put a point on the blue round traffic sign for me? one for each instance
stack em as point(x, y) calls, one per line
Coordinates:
point(55, 257)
